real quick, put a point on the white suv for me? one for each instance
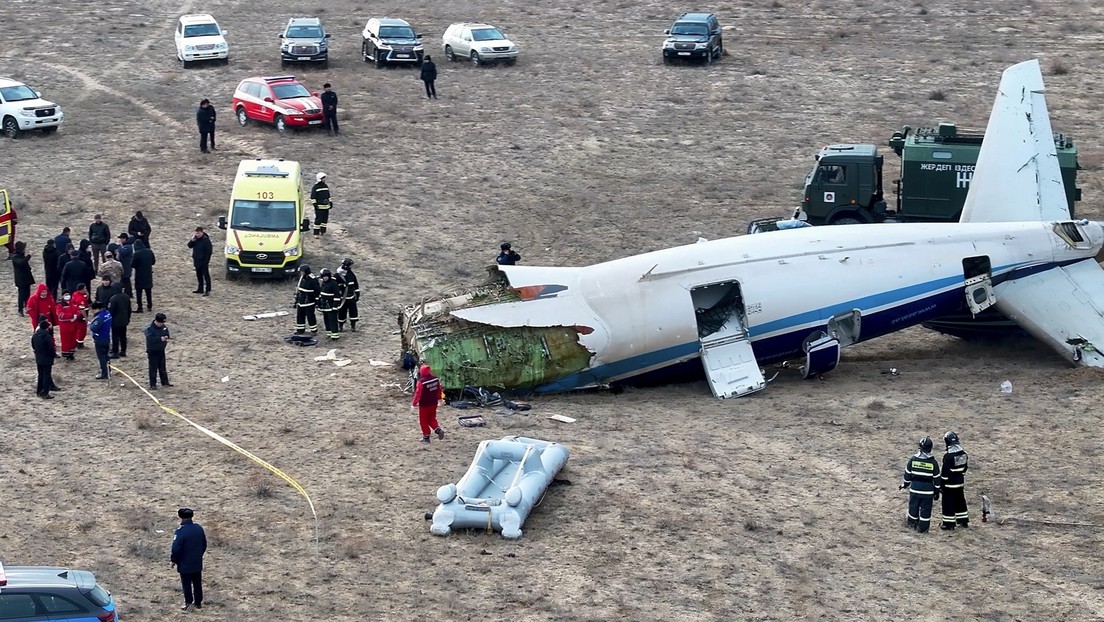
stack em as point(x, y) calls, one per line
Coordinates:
point(23, 109)
point(198, 37)
point(478, 43)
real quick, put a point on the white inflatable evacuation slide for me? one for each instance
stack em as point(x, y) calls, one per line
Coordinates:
point(505, 481)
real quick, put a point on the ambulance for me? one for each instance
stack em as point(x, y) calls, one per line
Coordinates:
point(265, 225)
point(8, 221)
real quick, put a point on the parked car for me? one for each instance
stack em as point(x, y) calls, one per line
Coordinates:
point(33, 593)
point(279, 100)
point(304, 40)
point(22, 109)
point(388, 40)
point(693, 36)
point(478, 43)
point(198, 37)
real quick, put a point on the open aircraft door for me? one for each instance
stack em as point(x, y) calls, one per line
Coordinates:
point(726, 353)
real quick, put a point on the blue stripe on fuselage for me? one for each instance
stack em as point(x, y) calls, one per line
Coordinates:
point(788, 345)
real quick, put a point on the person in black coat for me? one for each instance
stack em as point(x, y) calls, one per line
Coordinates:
point(21, 269)
point(42, 342)
point(329, 109)
point(139, 229)
point(50, 256)
point(119, 306)
point(85, 255)
point(124, 254)
point(201, 258)
point(188, 546)
point(106, 289)
point(99, 234)
point(72, 274)
point(157, 337)
point(142, 263)
point(205, 119)
point(64, 255)
point(429, 76)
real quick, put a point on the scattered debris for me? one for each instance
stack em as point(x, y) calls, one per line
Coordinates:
point(986, 509)
point(1006, 386)
point(265, 315)
point(329, 356)
point(226, 378)
point(561, 418)
point(301, 340)
point(892, 371)
point(343, 362)
point(472, 421)
point(376, 363)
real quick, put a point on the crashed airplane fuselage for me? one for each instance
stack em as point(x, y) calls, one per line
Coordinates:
point(740, 303)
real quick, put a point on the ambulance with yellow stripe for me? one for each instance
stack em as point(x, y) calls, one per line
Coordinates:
point(265, 225)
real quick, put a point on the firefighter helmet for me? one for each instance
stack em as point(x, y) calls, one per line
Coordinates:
point(926, 444)
point(504, 246)
point(325, 272)
point(304, 268)
point(346, 263)
point(950, 438)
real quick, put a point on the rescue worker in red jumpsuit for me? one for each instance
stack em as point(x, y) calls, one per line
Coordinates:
point(41, 303)
point(68, 317)
point(80, 301)
point(427, 393)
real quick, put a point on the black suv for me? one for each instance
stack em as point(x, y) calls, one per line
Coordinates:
point(693, 36)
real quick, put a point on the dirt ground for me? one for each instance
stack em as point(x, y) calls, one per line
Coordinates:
point(781, 506)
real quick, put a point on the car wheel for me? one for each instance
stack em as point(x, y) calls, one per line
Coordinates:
point(226, 61)
point(11, 128)
point(49, 130)
point(667, 60)
point(708, 58)
point(511, 62)
point(475, 60)
point(847, 220)
point(243, 119)
point(183, 63)
point(364, 52)
point(449, 55)
point(283, 63)
point(281, 125)
point(380, 60)
point(231, 275)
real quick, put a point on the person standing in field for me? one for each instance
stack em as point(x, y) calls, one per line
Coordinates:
point(188, 546)
point(329, 108)
point(49, 265)
point(142, 262)
point(205, 119)
point(922, 479)
point(119, 305)
point(139, 229)
point(101, 336)
point(200, 243)
point(429, 77)
point(42, 342)
point(320, 197)
point(41, 304)
point(955, 464)
point(427, 394)
point(99, 234)
point(24, 278)
point(157, 337)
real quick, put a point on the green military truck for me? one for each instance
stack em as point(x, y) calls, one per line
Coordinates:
point(937, 164)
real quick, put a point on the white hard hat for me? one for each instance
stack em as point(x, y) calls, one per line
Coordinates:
point(320, 176)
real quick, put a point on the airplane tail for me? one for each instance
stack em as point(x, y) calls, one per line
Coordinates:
point(1017, 177)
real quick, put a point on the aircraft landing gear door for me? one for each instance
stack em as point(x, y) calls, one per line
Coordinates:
point(726, 354)
point(979, 284)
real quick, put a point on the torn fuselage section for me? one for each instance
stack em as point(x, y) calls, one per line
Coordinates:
point(468, 353)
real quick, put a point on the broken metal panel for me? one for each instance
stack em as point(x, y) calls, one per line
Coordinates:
point(466, 353)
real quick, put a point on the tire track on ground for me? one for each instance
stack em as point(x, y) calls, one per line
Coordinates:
point(92, 84)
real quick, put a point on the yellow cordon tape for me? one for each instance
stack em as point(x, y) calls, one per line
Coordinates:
point(232, 445)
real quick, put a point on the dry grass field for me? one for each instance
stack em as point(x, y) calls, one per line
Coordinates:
point(782, 506)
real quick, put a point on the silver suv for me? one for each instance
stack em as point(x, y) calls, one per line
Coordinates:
point(304, 40)
point(479, 44)
point(388, 40)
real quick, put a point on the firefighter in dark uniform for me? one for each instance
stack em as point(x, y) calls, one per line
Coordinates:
point(348, 312)
point(320, 197)
point(507, 256)
point(329, 302)
point(922, 480)
point(955, 463)
point(306, 295)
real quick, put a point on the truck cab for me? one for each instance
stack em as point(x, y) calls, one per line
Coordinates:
point(937, 164)
point(265, 223)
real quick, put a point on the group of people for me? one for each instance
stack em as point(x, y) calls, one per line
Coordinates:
point(927, 480)
point(335, 294)
point(67, 301)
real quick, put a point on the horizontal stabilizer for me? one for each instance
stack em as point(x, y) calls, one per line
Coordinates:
point(1017, 177)
point(1063, 308)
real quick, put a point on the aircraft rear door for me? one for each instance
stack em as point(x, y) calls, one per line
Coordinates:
point(726, 353)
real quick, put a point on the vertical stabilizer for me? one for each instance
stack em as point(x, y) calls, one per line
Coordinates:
point(1017, 178)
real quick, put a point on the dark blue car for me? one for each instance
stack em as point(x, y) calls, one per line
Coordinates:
point(34, 593)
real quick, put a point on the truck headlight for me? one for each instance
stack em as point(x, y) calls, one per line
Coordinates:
point(232, 250)
point(291, 252)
